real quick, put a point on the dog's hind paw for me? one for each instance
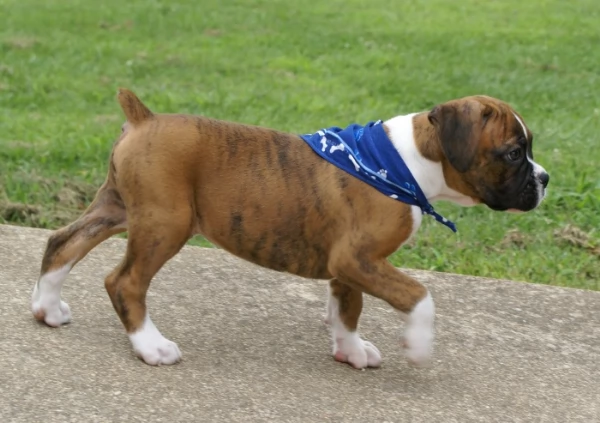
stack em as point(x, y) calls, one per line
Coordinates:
point(54, 316)
point(46, 304)
point(153, 348)
point(50, 309)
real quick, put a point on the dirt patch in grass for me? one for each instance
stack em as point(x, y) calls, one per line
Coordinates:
point(127, 25)
point(35, 216)
point(21, 42)
point(514, 237)
point(66, 205)
point(75, 195)
point(17, 212)
point(579, 238)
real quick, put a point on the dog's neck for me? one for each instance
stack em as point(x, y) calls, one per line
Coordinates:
point(428, 173)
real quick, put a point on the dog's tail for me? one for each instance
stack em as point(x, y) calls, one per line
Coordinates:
point(135, 111)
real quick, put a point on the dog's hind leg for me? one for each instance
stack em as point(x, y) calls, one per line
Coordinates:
point(67, 246)
point(151, 243)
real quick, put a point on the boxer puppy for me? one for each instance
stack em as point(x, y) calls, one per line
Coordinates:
point(270, 198)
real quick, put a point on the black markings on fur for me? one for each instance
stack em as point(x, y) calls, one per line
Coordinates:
point(122, 308)
point(348, 200)
point(149, 256)
point(308, 179)
point(343, 181)
point(320, 266)
point(87, 226)
point(55, 243)
point(127, 265)
point(233, 138)
point(278, 259)
point(344, 300)
point(316, 197)
point(237, 229)
point(345, 278)
point(258, 247)
point(282, 150)
point(98, 225)
point(365, 263)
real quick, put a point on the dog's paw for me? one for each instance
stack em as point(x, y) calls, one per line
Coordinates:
point(162, 352)
point(356, 352)
point(51, 311)
point(153, 348)
point(418, 347)
point(418, 337)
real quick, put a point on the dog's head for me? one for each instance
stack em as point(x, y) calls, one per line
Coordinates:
point(488, 154)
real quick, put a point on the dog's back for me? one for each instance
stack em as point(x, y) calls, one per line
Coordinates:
point(261, 194)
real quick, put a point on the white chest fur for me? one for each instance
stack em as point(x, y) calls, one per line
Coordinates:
point(428, 174)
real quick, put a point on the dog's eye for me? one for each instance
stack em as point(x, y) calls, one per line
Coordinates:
point(515, 154)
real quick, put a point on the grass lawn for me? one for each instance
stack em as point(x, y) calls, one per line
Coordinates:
point(301, 65)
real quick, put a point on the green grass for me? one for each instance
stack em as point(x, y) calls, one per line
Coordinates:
point(302, 65)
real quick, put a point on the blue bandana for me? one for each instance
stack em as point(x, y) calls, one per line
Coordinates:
point(367, 153)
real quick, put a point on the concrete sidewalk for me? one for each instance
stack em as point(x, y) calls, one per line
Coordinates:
point(255, 349)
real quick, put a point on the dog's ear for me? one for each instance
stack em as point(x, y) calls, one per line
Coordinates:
point(459, 125)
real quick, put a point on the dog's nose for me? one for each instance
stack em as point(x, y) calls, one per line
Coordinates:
point(544, 179)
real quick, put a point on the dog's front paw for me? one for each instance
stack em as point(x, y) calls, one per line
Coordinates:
point(356, 352)
point(418, 337)
point(49, 309)
point(418, 347)
point(162, 352)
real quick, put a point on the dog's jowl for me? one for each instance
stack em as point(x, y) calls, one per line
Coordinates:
point(332, 204)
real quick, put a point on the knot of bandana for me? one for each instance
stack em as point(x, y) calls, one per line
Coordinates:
point(367, 153)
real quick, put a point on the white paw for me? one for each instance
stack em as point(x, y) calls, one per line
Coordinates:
point(49, 308)
point(149, 345)
point(418, 337)
point(53, 315)
point(162, 351)
point(358, 353)
point(418, 347)
point(46, 304)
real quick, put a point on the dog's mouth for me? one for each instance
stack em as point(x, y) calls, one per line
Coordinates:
point(527, 199)
point(532, 196)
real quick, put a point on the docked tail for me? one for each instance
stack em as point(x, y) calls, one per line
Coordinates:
point(135, 111)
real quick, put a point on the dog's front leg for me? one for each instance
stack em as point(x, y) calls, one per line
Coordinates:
point(379, 278)
point(344, 305)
